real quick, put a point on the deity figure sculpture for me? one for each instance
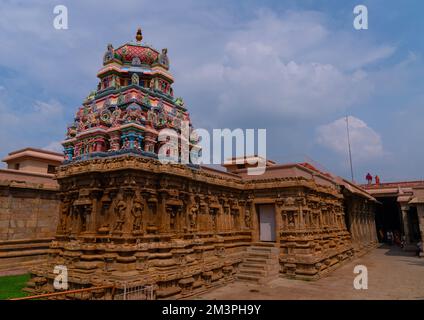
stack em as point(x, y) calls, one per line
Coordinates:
point(192, 217)
point(135, 144)
point(64, 216)
point(109, 54)
point(120, 211)
point(290, 217)
point(247, 218)
point(126, 144)
point(163, 57)
point(92, 119)
point(172, 217)
point(152, 84)
point(137, 213)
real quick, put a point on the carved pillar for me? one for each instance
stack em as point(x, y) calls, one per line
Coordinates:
point(95, 210)
point(405, 222)
point(255, 223)
point(162, 214)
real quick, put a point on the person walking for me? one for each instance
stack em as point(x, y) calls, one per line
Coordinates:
point(390, 237)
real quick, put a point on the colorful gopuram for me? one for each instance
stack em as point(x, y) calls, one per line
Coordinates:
point(128, 220)
point(133, 101)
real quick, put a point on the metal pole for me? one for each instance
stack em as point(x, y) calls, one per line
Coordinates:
point(348, 144)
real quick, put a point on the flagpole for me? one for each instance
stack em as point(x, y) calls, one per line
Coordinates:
point(348, 144)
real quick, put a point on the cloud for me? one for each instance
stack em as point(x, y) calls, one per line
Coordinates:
point(33, 126)
point(235, 66)
point(55, 146)
point(283, 68)
point(365, 143)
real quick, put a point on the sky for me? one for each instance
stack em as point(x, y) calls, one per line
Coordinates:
point(295, 68)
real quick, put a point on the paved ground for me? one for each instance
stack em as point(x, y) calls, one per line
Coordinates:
point(392, 274)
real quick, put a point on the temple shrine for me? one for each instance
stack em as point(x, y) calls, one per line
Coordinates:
point(127, 219)
point(133, 101)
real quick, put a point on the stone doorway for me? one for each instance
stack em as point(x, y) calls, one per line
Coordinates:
point(413, 225)
point(267, 225)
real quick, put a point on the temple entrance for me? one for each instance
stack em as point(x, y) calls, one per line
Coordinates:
point(388, 218)
point(266, 223)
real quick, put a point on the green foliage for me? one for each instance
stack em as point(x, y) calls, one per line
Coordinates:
point(11, 286)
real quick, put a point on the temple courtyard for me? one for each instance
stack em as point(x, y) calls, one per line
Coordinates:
point(392, 274)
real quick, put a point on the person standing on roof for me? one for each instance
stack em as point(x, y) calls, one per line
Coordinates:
point(369, 178)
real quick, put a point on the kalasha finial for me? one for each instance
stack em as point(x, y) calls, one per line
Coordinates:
point(139, 35)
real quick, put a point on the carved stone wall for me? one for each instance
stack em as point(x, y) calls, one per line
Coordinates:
point(361, 223)
point(131, 220)
point(314, 238)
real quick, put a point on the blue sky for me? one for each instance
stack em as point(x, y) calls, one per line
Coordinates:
point(296, 68)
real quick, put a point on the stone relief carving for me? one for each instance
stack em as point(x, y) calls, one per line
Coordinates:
point(120, 213)
point(137, 213)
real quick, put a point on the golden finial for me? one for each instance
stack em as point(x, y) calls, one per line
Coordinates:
point(139, 35)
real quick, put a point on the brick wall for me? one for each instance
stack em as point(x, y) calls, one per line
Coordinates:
point(27, 213)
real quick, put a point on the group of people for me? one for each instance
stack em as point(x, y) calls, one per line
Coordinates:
point(395, 238)
point(392, 237)
point(369, 178)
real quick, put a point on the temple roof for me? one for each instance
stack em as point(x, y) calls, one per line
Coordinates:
point(136, 53)
point(129, 51)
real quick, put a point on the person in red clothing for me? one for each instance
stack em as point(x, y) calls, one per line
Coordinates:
point(377, 180)
point(369, 178)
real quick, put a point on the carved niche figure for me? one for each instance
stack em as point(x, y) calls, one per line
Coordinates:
point(151, 117)
point(172, 217)
point(120, 212)
point(137, 213)
point(247, 218)
point(291, 221)
point(192, 216)
point(64, 216)
point(135, 79)
point(152, 84)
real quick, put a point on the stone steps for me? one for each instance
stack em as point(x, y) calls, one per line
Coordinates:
point(260, 264)
point(22, 254)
